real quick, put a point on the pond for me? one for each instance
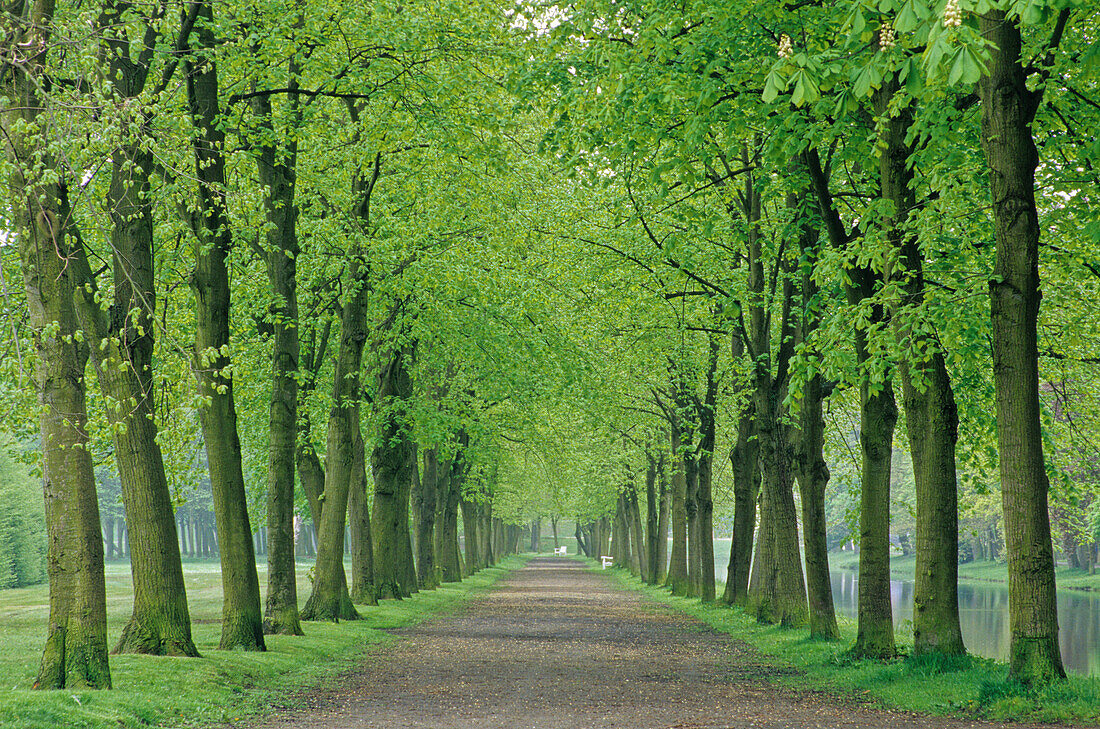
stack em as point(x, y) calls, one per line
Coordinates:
point(983, 612)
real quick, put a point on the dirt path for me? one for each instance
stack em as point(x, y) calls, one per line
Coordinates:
point(554, 645)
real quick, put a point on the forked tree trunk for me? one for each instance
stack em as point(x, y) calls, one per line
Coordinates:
point(160, 623)
point(813, 472)
point(1008, 108)
point(931, 415)
point(776, 586)
point(276, 170)
point(75, 654)
point(330, 599)
point(242, 619)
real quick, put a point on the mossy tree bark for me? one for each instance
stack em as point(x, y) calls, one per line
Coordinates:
point(392, 461)
point(813, 472)
point(330, 599)
point(160, 623)
point(276, 168)
point(664, 505)
point(931, 415)
point(776, 585)
point(362, 590)
point(473, 561)
point(677, 579)
point(426, 573)
point(746, 490)
point(705, 473)
point(75, 654)
point(1008, 109)
point(446, 533)
point(878, 416)
point(651, 522)
point(242, 620)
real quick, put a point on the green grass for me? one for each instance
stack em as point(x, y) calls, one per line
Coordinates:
point(220, 688)
point(902, 568)
point(967, 687)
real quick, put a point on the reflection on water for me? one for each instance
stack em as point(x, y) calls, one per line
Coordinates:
point(983, 611)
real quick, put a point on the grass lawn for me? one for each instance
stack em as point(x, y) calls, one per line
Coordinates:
point(220, 688)
point(967, 687)
point(903, 568)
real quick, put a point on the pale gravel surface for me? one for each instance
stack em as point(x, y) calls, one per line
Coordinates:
point(554, 646)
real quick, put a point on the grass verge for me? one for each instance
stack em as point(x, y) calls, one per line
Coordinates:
point(967, 687)
point(220, 688)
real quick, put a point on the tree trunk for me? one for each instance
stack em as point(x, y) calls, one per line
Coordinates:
point(75, 654)
point(931, 415)
point(746, 489)
point(484, 531)
point(1008, 108)
point(446, 533)
point(878, 415)
point(426, 574)
point(392, 462)
point(661, 573)
point(242, 619)
point(705, 468)
point(776, 585)
point(678, 577)
point(362, 544)
point(813, 472)
point(651, 568)
point(329, 599)
point(639, 563)
point(276, 169)
point(473, 561)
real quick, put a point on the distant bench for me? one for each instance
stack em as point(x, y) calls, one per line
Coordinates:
point(561, 551)
point(606, 561)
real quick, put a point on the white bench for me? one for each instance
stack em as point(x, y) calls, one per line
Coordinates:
point(606, 561)
point(561, 551)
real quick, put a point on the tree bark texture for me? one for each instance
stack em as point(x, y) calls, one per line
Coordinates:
point(813, 472)
point(1008, 108)
point(931, 415)
point(75, 653)
point(242, 619)
point(277, 173)
point(330, 599)
point(392, 462)
point(362, 590)
point(744, 466)
point(678, 578)
point(426, 573)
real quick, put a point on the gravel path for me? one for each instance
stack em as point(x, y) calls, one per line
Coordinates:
point(556, 646)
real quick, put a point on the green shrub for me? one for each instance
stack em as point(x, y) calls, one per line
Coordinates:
point(22, 525)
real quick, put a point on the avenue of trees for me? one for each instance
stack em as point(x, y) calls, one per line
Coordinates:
point(422, 275)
